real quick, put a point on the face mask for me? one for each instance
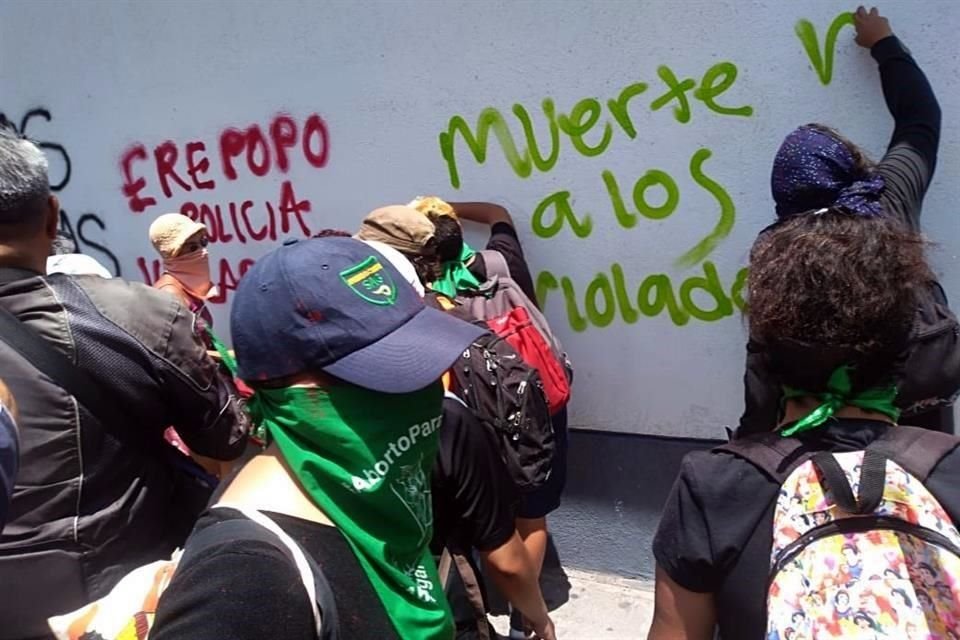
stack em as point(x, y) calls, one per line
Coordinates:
point(365, 459)
point(193, 272)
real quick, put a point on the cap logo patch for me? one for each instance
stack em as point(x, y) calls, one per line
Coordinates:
point(371, 281)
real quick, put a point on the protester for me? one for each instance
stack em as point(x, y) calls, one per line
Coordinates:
point(9, 449)
point(346, 361)
point(475, 509)
point(474, 506)
point(182, 245)
point(65, 259)
point(95, 495)
point(833, 297)
point(464, 269)
point(816, 167)
point(409, 233)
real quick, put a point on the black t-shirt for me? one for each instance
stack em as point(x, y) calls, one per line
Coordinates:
point(715, 535)
point(503, 238)
point(474, 499)
point(249, 590)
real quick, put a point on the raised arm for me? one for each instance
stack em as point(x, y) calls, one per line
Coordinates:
point(908, 94)
point(503, 238)
point(911, 158)
point(482, 212)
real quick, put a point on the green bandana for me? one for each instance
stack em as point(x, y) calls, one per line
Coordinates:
point(228, 360)
point(365, 459)
point(455, 276)
point(839, 394)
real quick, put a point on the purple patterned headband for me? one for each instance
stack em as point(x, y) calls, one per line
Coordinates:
point(813, 170)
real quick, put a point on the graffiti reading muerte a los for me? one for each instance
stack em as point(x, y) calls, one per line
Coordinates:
point(609, 292)
point(177, 174)
point(713, 95)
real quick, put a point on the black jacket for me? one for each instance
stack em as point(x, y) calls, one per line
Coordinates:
point(91, 502)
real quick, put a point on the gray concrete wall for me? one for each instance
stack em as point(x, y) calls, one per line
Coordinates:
point(616, 487)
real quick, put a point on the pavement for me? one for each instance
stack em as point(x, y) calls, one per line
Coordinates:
point(597, 607)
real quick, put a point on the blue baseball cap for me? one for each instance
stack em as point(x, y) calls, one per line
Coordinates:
point(337, 305)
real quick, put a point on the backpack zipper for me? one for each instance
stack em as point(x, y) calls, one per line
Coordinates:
point(859, 524)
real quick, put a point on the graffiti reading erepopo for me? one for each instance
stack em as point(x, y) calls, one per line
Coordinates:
point(181, 172)
point(608, 293)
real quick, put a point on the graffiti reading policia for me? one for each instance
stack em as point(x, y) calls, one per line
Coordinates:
point(177, 172)
point(609, 293)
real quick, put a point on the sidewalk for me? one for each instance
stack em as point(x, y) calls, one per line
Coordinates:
point(598, 607)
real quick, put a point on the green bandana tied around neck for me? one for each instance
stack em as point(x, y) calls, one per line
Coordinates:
point(839, 393)
point(365, 459)
point(455, 276)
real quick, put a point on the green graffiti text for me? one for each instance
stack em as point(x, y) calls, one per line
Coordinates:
point(699, 297)
point(583, 118)
point(822, 65)
point(728, 212)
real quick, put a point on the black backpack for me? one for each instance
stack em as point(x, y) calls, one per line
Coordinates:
point(506, 395)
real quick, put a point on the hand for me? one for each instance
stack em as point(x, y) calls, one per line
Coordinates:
point(545, 631)
point(871, 27)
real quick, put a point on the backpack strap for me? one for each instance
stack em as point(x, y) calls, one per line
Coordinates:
point(452, 560)
point(773, 454)
point(917, 450)
point(257, 526)
point(495, 263)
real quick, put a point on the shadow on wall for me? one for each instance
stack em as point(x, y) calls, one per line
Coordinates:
point(616, 486)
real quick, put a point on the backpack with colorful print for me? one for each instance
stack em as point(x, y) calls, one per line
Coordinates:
point(861, 548)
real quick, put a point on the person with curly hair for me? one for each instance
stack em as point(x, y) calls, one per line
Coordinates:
point(833, 297)
point(816, 167)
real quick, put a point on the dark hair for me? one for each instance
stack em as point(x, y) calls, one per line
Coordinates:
point(425, 263)
point(903, 594)
point(24, 185)
point(449, 236)
point(830, 289)
point(862, 615)
point(332, 233)
point(862, 163)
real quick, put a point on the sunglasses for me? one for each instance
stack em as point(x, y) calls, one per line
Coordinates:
point(195, 245)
